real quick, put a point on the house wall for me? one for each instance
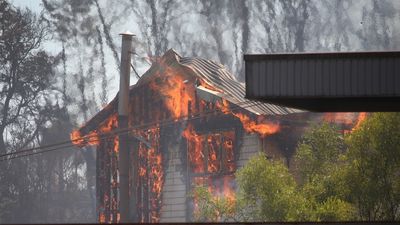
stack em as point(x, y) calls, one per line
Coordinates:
point(174, 191)
point(251, 145)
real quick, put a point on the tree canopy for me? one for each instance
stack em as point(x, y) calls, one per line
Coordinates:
point(339, 178)
point(26, 73)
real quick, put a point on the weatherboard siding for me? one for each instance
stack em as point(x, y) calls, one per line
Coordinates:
point(251, 146)
point(174, 192)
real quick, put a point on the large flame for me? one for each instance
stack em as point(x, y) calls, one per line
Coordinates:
point(151, 171)
point(263, 128)
point(178, 96)
point(195, 144)
point(176, 92)
point(93, 138)
point(212, 154)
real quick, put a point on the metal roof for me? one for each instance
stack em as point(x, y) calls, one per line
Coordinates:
point(340, 81)
point(214, 74)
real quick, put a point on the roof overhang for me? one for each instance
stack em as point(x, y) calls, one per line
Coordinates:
point(334, 82)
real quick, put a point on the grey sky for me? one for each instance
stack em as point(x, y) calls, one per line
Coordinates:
point(33, 5)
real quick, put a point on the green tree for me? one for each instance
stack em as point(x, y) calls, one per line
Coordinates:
point(268, 192)
point(318, 151)
point(212, 208)
point(26, 75)
point(320, 162)
point(373, 173)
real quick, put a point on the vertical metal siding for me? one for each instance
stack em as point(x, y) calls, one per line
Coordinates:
point(330, 75)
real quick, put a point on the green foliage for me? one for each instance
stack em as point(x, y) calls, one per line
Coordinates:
point(269, 192)
point(212, 208)
point(341, 179)
point(319, 151)
point(335, 209)
point(320, 159)
point(373, 173)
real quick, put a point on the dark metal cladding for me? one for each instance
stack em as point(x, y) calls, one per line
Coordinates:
point(346, 81)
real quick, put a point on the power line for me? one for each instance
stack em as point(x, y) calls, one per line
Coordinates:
point(102, 136)
point(109, 134)
point(106, 135)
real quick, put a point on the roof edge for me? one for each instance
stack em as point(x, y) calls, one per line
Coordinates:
point(305, 55)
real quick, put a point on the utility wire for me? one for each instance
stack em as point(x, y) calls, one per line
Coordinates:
point(116, 131)
point(107, 135)
point(58, 146)
point(134, 70)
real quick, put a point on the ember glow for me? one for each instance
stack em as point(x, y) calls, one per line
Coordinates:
point(213, 144)
point(102, 218)
point(76, 138)
point(342, 118)
point(116, 144)
point(151, 175)
point(351, 120)
point(361, 117)
point(211, 159)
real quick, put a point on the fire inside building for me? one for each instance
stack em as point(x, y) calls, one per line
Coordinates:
point(189, 124)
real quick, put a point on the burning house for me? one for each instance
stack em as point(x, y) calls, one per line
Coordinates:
point(189, 124)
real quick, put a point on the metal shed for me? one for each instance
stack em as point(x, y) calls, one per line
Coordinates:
point(341, 81)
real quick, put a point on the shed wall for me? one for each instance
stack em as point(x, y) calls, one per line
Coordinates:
point(330, 75)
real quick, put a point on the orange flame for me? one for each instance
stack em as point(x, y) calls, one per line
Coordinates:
point(220, 158)
point(176, 91)
point(195, 142)
point(347, 119)
point(264, 128)
point(251, 126)
point(116, 144)
point(228, 191)
point(151, 170)
point(361, 118)
point(228, 146)
point(76, 138)
point(93, 137)
point(102, 218)
point(213, 142)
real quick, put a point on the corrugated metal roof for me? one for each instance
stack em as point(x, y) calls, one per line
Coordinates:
point(214, 74)
point(287, 78)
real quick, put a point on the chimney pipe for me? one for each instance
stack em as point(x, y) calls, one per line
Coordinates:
point(123, 110)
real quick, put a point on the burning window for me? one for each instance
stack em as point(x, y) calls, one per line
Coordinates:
point(211, 161)
point(150, 179)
